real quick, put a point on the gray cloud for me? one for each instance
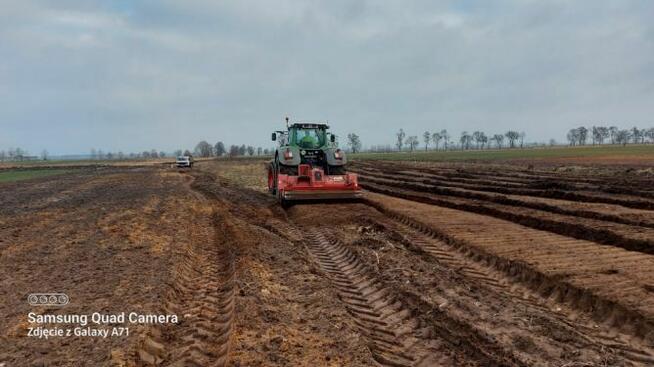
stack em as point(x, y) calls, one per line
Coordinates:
point(165, 74)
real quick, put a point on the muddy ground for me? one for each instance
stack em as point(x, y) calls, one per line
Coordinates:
point(440, 264)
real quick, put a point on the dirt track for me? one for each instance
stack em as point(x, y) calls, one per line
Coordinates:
point(443, 265)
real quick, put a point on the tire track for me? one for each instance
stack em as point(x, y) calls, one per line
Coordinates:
point(465, 262)
point(510, 272)
point(395, 337)
point(381, 319)
point(202, 293)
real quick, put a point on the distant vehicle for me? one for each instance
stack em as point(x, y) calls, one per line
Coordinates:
point(184, 161)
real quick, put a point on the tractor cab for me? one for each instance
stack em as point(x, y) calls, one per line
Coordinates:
point(308, 136)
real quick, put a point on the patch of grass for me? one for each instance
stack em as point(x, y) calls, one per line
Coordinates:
point(245, 172)
point(641, 151)
point(19, 175)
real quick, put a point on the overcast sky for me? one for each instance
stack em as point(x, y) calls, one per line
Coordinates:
point(136, 75)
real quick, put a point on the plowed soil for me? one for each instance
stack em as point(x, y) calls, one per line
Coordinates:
point(439, 264)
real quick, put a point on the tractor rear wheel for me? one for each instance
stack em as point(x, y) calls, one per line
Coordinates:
point(272, 178)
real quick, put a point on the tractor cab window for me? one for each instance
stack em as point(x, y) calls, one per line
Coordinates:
point(309, 138)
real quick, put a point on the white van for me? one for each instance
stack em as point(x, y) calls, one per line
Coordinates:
point(185, 161)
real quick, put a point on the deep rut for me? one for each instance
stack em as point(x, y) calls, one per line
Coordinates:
point(389, 328)
point(466, 263)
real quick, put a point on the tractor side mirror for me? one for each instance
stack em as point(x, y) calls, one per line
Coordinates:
point(274, 137)
point(332, 138)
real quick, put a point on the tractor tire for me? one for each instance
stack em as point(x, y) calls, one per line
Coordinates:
point(272, 178)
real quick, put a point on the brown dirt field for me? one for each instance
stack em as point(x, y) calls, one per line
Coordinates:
point(386, 281)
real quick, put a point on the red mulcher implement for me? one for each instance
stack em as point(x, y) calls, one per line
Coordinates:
point(308, 166)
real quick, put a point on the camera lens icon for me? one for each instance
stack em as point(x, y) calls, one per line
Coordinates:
point(48, 299)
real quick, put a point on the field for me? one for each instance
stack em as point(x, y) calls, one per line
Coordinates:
point(606, 154)
point(17, 175)
point(535, 262)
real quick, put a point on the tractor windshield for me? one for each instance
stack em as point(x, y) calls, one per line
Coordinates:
point(310, 138)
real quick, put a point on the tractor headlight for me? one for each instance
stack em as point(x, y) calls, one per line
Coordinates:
point(288, 154)
point(338, 154)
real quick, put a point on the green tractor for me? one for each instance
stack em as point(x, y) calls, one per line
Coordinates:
point(308, 165)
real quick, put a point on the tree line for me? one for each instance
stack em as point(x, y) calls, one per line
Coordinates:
point(444, 140)
point(17, 154)
point(610, 134)
point(205, 150)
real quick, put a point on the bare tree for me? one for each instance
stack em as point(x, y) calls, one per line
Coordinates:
point(413, 142)
point(650, 135)
point(476, 137)
point(573, 137)
point(465, 140)
point(354, 142)
point(233, 150)
point(582, 135)
point(203, 149)
point(436, 138)
point(446, 137)
point(484, 140)
point(259, 150)
point(522, 137)
point(499, 140)
point(622, 137)
point(219, 149)
point(242, 149)
point(480, 138)
point(187, 153)
point(638, 135)
point(400, 139)
point(44, 155)
point(512, 135)
point(250, 150)
point(426, 136)
point(613, 133)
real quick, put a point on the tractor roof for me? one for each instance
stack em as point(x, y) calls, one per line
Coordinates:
point(310, 125)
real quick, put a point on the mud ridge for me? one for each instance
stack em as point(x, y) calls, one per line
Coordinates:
point(545, 192)
point(481, 274)
point(494, 195)
point(616, 315)
point(578, 231)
